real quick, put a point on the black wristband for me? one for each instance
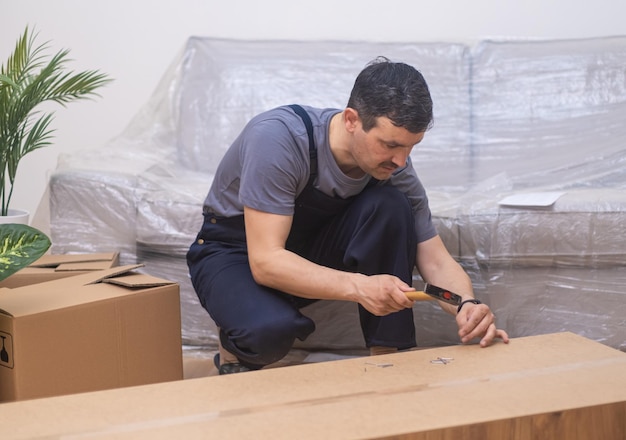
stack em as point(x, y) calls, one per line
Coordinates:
point(473, 301)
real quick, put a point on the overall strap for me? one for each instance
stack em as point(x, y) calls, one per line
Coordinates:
point(312, 148)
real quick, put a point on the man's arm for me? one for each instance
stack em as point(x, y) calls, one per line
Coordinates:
point(436, 266)
point(274, 266)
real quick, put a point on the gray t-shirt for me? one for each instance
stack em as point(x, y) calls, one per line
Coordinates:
point(267, 167)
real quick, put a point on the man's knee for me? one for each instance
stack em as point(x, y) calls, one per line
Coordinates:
point(382, 214)
point(383, 237)
point(268, 340)
point(388, 202)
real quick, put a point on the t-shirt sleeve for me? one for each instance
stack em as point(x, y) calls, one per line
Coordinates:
point(273, 167)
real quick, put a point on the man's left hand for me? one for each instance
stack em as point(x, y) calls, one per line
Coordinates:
point(478, 321)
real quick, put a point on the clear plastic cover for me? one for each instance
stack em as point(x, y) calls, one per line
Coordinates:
point(510, 117)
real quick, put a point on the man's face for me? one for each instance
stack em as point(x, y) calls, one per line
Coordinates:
point(384, 148)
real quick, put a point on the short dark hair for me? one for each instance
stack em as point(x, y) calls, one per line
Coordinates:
point(394, 90)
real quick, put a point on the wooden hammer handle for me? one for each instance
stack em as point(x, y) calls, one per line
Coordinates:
point(418, 295)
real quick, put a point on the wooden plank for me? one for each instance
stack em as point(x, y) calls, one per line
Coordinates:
point(552, 386)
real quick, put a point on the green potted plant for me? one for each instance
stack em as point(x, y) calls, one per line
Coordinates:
point(28, 79)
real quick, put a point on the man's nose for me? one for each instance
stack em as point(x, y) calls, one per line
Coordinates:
point(400, 157)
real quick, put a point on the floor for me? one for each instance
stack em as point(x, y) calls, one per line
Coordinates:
point(198, 362)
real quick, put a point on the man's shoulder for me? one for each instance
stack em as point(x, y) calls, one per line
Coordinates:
point(286, 114)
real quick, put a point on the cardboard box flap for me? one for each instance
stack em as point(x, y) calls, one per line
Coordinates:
point(98, 277)
point(137, 280)
point(54, 267)
point(61, 293)
point(83, 266)
point(51, 261)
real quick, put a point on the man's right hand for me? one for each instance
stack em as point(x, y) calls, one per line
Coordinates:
point(382, 294)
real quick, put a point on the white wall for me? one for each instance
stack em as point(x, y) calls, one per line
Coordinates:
point(134, 41)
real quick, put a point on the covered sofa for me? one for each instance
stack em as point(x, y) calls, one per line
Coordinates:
point(516, 123)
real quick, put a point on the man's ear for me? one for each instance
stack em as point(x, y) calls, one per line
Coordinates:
point(351, 119)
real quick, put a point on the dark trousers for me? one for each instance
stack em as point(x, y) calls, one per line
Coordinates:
point(375, 234)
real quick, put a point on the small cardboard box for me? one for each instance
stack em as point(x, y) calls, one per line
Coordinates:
point(52, 267)
point(105, 329)
point(553, 387)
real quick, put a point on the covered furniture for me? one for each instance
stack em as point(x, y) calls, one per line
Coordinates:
point(511, 118)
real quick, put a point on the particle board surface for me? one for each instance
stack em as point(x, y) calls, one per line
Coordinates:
point(558, 386)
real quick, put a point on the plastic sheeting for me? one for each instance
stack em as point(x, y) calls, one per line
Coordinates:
point(545, 269)
point(174, 144)
point(510, 116)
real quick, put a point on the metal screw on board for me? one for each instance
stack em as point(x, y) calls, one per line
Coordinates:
point(442, 360)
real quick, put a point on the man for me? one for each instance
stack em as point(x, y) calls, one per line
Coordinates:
point(311, 204)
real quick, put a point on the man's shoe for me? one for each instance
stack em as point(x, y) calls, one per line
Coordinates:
point(378, 350)
point(228, 368)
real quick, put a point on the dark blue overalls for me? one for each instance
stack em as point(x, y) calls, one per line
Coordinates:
point(371, 233)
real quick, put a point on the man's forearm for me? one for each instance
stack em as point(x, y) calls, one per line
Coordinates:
point(300, 277)
point(437, 267)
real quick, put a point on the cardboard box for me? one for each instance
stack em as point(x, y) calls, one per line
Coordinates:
point(559, 386)
point(53, 267)
point(105, 329)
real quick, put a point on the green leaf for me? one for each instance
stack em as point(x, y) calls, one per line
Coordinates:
point(6, 80)
point(20, 245)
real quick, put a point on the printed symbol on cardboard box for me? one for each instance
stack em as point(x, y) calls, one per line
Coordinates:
point(6, 350)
